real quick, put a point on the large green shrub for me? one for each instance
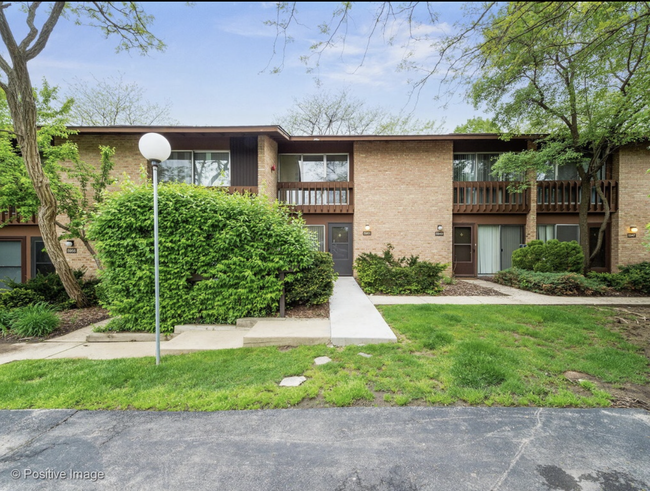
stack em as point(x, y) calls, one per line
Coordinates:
point(632, 277)
point(220, 255)
point(549, 257)
point(549, 283)
point(35, 320)
point(314, 284)
point(403, 276)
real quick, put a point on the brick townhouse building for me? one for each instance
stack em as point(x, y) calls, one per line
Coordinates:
point(427, 195)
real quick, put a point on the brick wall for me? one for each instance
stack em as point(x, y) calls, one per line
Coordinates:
point(267, 158)
point(403, 191)
point(631, 170)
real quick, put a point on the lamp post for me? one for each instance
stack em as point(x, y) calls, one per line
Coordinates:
point(156, 149)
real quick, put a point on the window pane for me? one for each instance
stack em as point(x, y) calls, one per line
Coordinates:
point(313, 168)
point(10, 253)
point(177, 168)
point(337, 168)
point(289, 168)
point(548, 174)
point(318, 231)
point(212, 168)
point(545, 232)
point(484, 163)
point(567, 233)
point(464, 167)
point(462, 235)
point(567, 173)
point(340, 235)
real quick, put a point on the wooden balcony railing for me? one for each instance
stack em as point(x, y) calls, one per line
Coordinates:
point(488, 197)
point(565, 196)
point(243, 189)
point(318, 197)
point(12, 218)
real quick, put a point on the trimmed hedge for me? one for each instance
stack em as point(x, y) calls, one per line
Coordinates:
point(18, 297)
point(549, 257)
point(403, 276)
point(549, 283)
point(220, 255)
point(314, 284)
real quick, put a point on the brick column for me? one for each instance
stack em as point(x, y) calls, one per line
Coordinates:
point(531, 218)
point(267, 160)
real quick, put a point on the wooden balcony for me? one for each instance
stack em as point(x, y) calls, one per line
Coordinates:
point(489, 197)
point(12, 218)
point(565, 196)
point(318, 197)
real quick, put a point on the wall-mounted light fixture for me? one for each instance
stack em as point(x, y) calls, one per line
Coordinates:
point(367, 228)
point(634, 229)
point(69, 243)
point(439, 227)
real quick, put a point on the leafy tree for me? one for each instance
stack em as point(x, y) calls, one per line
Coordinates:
point(127, 21)
point(78, 187)
point(112, 101)
point(478, 125)
point(325, 113)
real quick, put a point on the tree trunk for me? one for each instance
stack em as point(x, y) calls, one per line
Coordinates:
point(22, 106)
point(585, 198)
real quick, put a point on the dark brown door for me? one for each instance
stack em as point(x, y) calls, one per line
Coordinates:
point(340, 246)
point(464, 256)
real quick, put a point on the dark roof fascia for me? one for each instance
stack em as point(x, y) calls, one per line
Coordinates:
point(278, 133)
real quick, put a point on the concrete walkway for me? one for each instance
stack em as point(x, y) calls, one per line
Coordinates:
point(513, 296)
point(354, 319)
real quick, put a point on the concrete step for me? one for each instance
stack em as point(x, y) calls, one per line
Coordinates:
point(205, 327)
point(193, 341)
point(288, 332)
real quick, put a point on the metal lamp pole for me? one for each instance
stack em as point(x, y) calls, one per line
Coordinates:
point(156, 149)
point(154, 164)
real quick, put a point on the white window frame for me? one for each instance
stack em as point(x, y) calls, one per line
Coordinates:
point(324, 155)
point(192, 173)
point(555, 226)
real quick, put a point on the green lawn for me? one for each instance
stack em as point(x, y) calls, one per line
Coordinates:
point(494, 355)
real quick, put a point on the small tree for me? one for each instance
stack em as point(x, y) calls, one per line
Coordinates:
point(112, 101)
point(478, 125)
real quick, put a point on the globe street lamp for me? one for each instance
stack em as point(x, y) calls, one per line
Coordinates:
point(156, 149)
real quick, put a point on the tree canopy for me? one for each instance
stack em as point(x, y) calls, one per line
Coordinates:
point(478, 125)
point(113, 101)
point(327, 113)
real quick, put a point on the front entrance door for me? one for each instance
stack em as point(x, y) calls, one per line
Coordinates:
point(464, 250)
point(340, 246)
point(511, 239)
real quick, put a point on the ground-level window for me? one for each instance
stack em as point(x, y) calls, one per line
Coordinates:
point(496, 243)
point(561, 232)
point(318, 232)
point(11, 261)
point(41, 262)
point(199, 167)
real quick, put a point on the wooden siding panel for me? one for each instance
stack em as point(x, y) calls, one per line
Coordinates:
point(243, 161)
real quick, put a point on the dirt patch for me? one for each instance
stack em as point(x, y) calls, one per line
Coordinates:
point(71, 320)
point(468, 289)
point(633, 323)
point(309, 312)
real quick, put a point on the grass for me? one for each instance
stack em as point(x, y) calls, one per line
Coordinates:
point(480, 355)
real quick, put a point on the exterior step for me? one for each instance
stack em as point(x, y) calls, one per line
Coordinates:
point(288, 332)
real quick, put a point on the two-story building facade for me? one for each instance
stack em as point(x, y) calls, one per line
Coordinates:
point(429, 195)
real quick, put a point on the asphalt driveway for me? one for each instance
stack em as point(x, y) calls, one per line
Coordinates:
point(328, 449)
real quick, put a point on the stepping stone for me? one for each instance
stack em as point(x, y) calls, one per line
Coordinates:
point(365, 355)
point(292, 381)
point(321, 360)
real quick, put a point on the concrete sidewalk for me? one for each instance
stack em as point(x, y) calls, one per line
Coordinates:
point(513, 296)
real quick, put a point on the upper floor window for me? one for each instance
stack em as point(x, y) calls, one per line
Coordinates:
point(475, 166)
point(567, 172)
point(314, 168)
point(198, 167)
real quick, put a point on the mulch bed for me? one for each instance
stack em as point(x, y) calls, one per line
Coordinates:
point(71, 320)
point(468, 289)
point(610, 293)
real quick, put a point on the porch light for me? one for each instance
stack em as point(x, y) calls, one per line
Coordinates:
point(156, 149)
point(439, 227)
point(367, 228)
point(633, 229)
point(69, 243)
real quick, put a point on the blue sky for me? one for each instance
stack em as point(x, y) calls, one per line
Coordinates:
point(213, 70)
